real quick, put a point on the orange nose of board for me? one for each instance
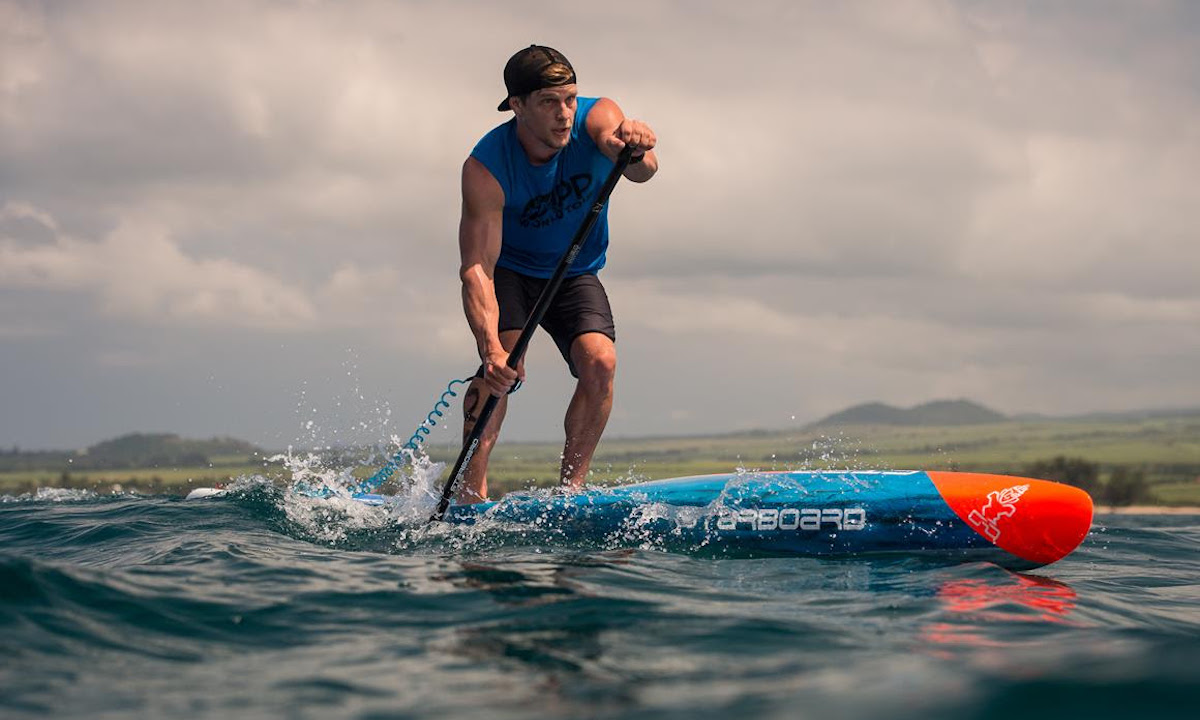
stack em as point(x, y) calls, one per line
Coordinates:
point(1036, 520)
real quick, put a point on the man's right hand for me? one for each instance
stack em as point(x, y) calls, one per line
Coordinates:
point(498, 376)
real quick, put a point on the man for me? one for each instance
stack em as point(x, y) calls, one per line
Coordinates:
point(526, 188)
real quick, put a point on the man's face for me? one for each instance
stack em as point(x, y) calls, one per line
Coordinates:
point(548, 114)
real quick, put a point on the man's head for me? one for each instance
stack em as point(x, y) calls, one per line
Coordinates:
point(541, 91)
point(534, 68)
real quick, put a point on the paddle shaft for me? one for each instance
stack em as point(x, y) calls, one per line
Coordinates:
point(535, 318)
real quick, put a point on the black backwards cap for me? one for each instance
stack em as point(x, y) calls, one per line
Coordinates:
point(526, 72)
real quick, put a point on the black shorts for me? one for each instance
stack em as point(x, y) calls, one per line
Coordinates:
point(581, 306)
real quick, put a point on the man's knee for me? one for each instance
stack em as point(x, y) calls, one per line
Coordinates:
point(596, 362)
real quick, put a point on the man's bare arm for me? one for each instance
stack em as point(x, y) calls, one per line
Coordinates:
point(479, 237)
point(611, 130)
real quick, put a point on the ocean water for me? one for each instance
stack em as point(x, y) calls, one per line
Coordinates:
point(266, 604)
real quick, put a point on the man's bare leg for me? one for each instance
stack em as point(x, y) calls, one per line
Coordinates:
point(595, 358)
point(474, 487)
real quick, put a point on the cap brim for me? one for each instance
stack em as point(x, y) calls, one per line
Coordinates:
point(504, 105)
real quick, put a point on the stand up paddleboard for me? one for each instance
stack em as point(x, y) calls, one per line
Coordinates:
point(1017, 523)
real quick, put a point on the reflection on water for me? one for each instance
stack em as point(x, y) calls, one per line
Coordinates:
point(1050, 600)
point(509, 586)
point(978, 608)
point(552, 638)
point(560, 626)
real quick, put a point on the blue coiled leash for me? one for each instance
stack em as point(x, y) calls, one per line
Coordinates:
point(431, 420)
point(398, 460)
point(414, 442)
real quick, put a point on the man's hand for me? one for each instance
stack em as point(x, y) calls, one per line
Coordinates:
point(498, 376)
point(632, 132)
point(613, 132)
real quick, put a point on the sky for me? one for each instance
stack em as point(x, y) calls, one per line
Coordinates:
point(240, 218)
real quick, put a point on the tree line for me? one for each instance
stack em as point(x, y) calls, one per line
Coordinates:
point(1125, 486)
point(132, 451)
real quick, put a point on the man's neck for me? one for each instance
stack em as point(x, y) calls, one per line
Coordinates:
point(535, 151)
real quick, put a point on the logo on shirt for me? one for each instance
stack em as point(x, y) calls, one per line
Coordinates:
point(564, 198)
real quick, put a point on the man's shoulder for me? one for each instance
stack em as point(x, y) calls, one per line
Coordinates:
point(603, 113)
point(584, 107)
point(492, 149)
point(497, 136)
point(481, 189)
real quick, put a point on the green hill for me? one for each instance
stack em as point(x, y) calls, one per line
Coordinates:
point(138, 450)
point(938, 413)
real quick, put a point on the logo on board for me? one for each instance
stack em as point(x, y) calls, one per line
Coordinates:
point(1000, 504)
point(791, 518)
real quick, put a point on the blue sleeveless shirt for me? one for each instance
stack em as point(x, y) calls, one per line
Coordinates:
point(544, 205)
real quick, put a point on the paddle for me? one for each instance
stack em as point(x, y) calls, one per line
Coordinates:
point(539, 311)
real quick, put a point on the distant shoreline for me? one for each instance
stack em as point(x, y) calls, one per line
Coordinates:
point(1147, 510)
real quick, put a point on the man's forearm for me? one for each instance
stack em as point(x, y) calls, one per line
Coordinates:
point(483, 314)
point(644, 170)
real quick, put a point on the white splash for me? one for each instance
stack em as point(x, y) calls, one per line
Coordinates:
point(58, 495)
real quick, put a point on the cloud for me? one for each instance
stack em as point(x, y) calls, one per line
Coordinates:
point(857, 201)
point(138, 272)
point(671, 310)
